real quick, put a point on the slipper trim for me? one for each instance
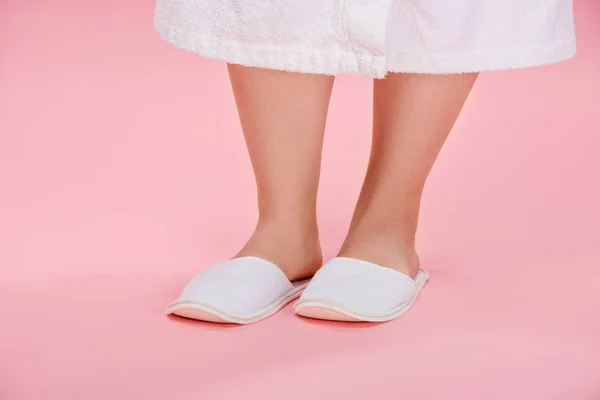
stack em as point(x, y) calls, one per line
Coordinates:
point(266, 312)
point(422, 278)
point(294, 290)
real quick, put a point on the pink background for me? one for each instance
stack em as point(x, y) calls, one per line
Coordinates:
point(123, 172)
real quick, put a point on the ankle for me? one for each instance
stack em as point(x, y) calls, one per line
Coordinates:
point(286, 228)
point(393, 248)
point(399, 232)
point(402, 259)
point(293, 245)
point(296, 218)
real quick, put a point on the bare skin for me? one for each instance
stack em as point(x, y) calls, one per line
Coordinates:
point(412, 117)
point(283, 118)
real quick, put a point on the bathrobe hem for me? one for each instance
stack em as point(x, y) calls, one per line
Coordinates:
point(304, 59)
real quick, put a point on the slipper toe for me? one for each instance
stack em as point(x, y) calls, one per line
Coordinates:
point(240, 290)
point(356, 290)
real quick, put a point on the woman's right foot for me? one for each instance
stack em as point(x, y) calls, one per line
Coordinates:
point(293, 246)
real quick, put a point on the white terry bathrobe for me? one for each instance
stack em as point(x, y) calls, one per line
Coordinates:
point(372, 37)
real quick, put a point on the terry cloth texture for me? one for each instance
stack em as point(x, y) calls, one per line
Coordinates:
point(372, 37)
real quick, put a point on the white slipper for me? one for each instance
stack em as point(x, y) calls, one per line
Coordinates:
point(347, 289)
point(242, 291)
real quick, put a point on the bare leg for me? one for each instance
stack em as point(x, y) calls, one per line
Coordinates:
point(413, 115)
point(283, 118)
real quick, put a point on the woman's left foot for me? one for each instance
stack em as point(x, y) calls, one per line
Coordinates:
point(375, 278)
point(351, 289)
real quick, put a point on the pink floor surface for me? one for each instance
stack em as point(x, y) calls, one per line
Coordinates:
point(123, 172)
